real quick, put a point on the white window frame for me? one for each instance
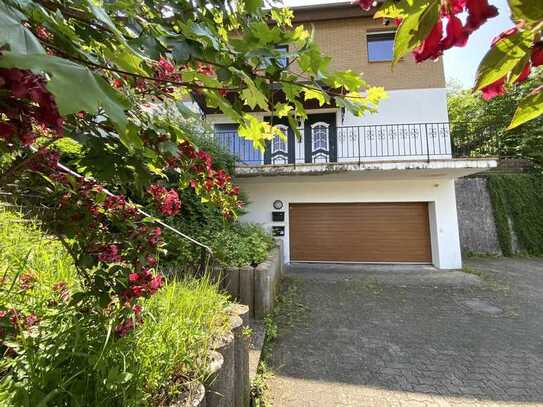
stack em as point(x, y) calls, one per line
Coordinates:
point(278, 143)
point(320, 124)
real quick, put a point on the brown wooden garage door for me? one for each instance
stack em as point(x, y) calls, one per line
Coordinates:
point(360, 232)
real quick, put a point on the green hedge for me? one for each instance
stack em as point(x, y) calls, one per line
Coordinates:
point(518, 197)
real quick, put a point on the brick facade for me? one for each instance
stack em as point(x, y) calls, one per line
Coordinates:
point(344, 40)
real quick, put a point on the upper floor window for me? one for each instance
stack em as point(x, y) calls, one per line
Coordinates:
point(380, 46)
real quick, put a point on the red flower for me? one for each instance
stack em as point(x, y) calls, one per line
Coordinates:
point(31, 320)
point(430, 47)
point(117, 83)
point(479, 11)
point(167, 201)
point(61, 288)
point(166, 65)
point(456, 35)
point(171, 204)
point(124, 327)
point(133, 277)
point(26, 281)
point(110, 254)
point(186, 149)
point(154, 239)
point(6, 131)
point(151, 261)
point(494, 89)
point(525, 73)
point(115, 202)
point(537, 54)
point(206, 69)
point(454, 7)
point(365, 5)
point(137, 309)
point(138, 290)
point(208, 184)
point(155, 284)
point(27, 138)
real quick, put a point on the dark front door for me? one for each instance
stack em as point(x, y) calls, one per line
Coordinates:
point(280, 151)
point(320, 138)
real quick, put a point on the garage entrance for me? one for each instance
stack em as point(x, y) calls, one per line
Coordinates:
point(397, 232)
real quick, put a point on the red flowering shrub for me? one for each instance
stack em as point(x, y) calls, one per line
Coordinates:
point(457, 34)
point(28, 106)
point(112, 241)
point(167, 201)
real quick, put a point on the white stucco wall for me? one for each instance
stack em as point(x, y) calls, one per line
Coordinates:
point(440, 194)
point(406, 106)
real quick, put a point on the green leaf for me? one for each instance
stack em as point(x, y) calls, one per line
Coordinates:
point(313, 61)
point(255, 130)
point(204, 35)
point(294, 126)
point(282, 109)
point(131, 139)
point(310, 93)
point(252, 97)
point(125, 58)
point(529, 108)
point(502, 58)
point(529, 11)
point(182, 51)
point(345, 79)
point(252, 6)
point(74, 86)
point(14, 34)
point(415, 28)
point(393, 9)
point(101, 15)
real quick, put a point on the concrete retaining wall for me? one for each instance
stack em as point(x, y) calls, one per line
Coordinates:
point(257, 286)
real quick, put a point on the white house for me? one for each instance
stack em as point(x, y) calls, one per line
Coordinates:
point(376, 189)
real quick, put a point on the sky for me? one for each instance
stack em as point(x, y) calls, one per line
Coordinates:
point(460, 63)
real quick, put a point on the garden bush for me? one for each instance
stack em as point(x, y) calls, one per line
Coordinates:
point(65, 351)
point(233, 243)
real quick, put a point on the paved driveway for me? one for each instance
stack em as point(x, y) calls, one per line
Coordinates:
point(400, 337)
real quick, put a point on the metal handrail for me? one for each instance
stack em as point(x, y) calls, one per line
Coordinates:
point(428, 140)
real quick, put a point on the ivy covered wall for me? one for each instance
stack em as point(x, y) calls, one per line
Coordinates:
point(517, 201)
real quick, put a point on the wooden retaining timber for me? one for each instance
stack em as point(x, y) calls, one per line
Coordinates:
point(228, 384)
point(257, 286)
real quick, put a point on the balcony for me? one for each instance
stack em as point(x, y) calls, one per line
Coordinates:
point(324, 147)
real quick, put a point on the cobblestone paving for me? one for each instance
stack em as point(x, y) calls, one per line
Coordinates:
point(403, 338)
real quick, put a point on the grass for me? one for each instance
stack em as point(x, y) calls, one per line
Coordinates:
point(171, 347)
point(489, 279)
point(73, 358)
point(24, 248)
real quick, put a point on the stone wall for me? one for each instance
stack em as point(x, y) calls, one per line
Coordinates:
point(475, 217)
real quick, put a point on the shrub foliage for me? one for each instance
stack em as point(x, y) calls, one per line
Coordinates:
point(518, 199)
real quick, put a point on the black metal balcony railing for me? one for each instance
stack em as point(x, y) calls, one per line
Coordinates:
point(321, 144)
